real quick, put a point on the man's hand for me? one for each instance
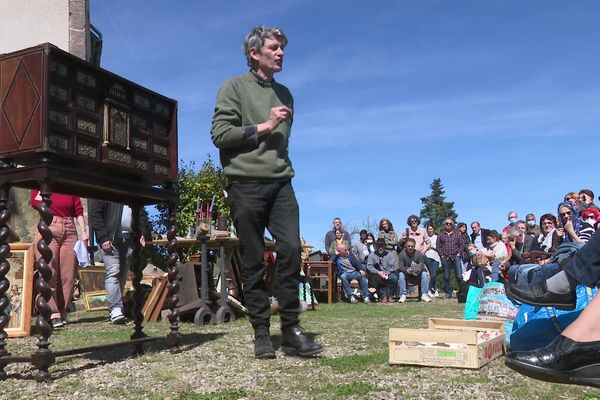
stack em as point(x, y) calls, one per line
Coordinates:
point(107, 246)
point(383, 275)
point(409, 270)
point(276, 116)
point(362, 272)
point(143, 241)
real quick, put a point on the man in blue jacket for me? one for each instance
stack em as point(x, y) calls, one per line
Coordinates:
point(350, 268)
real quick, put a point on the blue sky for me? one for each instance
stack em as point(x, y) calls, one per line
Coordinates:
point(499, 99)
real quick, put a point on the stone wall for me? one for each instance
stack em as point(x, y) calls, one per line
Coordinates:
point(27, 23)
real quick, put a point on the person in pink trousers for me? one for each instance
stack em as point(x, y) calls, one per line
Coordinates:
point(66, 210)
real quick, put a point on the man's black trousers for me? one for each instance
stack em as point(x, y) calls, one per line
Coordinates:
point(271, 205)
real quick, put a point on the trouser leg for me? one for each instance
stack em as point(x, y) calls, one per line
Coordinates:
point(250, 203)
point(447, 265)
point(346, 285)
point(68, 268)
point(585, 266)
point(116, 267)
point(284, 226)
point(392, 283)
point(433, 267)
point(402, 283)
point(364, 286)
point(424, 282)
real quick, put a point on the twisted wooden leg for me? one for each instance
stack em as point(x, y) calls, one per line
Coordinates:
point(173, 337)
point(136, 268)
point(43, 357)
point(4, 268)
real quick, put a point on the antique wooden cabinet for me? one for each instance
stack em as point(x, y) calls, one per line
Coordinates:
point(56, 106)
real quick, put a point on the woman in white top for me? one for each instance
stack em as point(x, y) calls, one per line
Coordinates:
point(496, 249)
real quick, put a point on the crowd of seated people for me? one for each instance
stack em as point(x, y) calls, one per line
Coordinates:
point(516, 256)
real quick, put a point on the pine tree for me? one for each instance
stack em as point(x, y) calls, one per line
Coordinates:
point(435, 208)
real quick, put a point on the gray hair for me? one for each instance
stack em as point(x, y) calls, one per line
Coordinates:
point(515, 232)
point(256, 39)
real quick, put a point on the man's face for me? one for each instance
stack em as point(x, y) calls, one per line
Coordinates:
point(476, 228)
point(522, 227)
point(343, 251)
point(410, 248)
point(269, 58)
point(380, 248)
point(512, 215)
point(413, 223)
point(448, 225)
point(337, 224)
point(490, 240)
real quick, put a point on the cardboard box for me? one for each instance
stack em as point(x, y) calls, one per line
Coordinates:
point(448, 343)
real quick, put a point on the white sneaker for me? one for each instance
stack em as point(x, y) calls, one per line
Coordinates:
point(366, 300)
point(402, 299)
point(425, 297)
point(117, 317)
point(430, 293)
point(353, 300)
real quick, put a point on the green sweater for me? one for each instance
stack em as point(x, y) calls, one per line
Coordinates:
point(242, 103)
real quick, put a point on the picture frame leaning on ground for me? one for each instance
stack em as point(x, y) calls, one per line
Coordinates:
point(20, 289)
point(91, 280)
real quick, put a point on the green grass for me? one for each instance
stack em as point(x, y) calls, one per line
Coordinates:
point(216, 362)
point(344, 390)
point(355, 363)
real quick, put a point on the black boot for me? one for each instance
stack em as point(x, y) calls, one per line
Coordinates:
point(296, 343)
point(538, 295)
point(562, 361)
point(263, 347)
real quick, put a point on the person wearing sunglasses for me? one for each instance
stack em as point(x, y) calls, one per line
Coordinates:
point(450, 246)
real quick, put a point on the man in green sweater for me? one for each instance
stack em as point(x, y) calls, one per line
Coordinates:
point(251, 128)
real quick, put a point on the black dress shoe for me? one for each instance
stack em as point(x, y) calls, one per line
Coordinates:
point(538, 295)
point(263, 347)
point(295, 343)
point(562, 361)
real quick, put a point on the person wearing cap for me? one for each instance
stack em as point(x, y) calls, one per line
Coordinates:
point(383, 271)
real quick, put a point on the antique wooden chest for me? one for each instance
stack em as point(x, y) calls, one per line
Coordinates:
point(57, 107)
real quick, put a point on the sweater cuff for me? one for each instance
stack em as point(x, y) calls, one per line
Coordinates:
point(250, 134)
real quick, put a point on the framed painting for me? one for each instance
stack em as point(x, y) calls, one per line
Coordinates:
point(20, 289)
point(91, 279)
point(95, 300)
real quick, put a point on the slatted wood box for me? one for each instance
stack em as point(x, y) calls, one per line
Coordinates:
point(57, 106)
